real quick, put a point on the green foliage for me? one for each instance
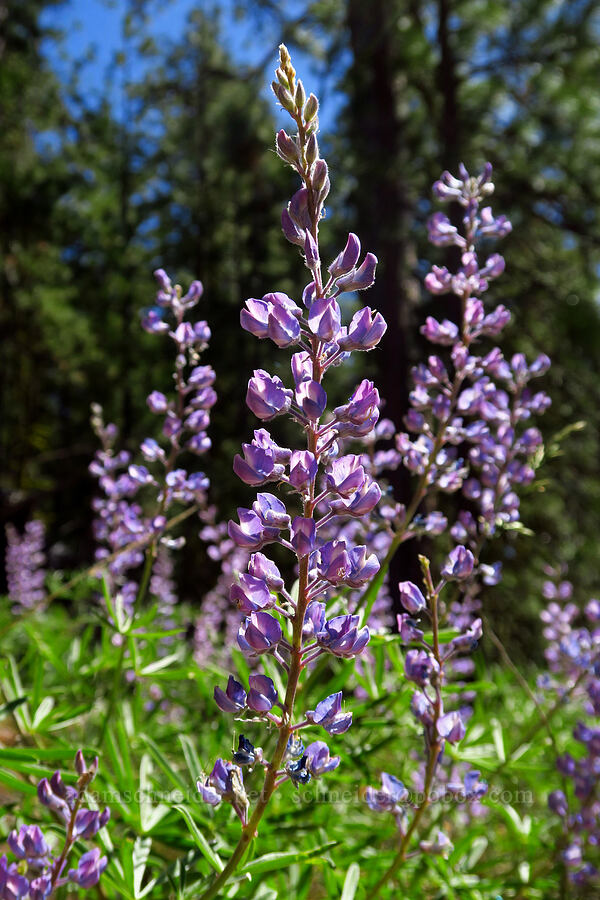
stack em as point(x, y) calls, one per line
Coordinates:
point(320, 840)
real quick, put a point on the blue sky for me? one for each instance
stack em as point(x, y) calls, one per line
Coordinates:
point(94, 28)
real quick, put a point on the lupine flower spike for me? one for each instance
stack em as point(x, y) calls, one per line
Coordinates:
point(37, 871)
point(301, 490)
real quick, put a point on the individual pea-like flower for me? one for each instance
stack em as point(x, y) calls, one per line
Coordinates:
point(361, 503)
point(408, 629)
point(364, 332)
point(359, 279)
point(257, 466)
point(459, 564)
point(411, 597)
point(28, 843)
point(311, 398)
point(262, 695)
point(389, 797)
point(89, 821)
point(225, 783)
point(266, 395)
point(260, 633)
point(324, 318)
point(233, 698)
point(419, 666)
point(304, 532)
point(314, 618)
point(441, 845)
point(89, 869)
point(251, 593)
point(298, 771)
point(261, 567)
point(319, 762)
point(347, 259)
point(303, 469)
point(333, 562)
point(362, 406)
point(328, 713)
point(250, 533)
point(343, 637)
point(471, 787)
point(13, 885)
point(451, 727)
point(271, 511)
point(363, 567)
point(346, 475)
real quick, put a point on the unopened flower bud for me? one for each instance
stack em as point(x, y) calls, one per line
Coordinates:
point(286, 147)
point(311, 109)
point(312, 150)
point(300, 98)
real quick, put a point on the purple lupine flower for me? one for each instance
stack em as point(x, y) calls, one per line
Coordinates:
point(362, 567)
point(266, 396)
point(262, 694)
point(303, 469)
point(89, 869)
point(251, 593)
point(88, 822)
point(346, 475)
point(318, 760)
point(359, 279)
point(28, 843)
point(321, 560)
point(362, 406)
point(419, 666)
point(40, 887)
point(13, 885)
point(342, 636)
point(451, 727)
point(257, 466)
point(225, 782)
point(314, 618)
point(328, 713)
point(361, 503)
point(459, 564)
point(261, 567)
point(312, 399)
point(233, 698)
point(303, 533)
point(347, 259)
point(364, 331)
point(440, 846)
point(411, 597)
point(271, 511)
point(250, 534)
point(408, 629)
point(324, 319)
point(389, 796)
point(259, 633)
point(333, 562)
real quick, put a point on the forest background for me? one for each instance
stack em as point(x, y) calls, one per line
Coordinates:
point(142, 140)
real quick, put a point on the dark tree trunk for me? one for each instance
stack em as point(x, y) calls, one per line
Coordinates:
point(382, 210)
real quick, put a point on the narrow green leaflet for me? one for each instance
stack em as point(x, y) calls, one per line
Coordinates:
point(271, 861)
point(201, 842)
point(351, 882)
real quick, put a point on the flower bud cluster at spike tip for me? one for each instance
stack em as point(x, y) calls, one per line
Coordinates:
point(120, 521)
point(466, 397)
point(310, 486)
point(573, 657)
point(36, 870)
